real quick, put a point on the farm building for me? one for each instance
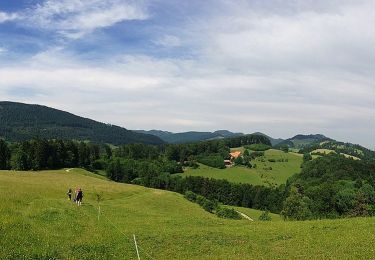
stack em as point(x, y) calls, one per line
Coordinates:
point(228, 163)
point(235, 154)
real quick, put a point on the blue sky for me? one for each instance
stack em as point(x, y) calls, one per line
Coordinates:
point(280, 67)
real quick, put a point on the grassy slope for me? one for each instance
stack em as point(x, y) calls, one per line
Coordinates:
point(38, 222)
point(280, 172)
point(328, 151)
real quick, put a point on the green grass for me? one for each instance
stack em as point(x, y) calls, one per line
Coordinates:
point(38, 222)
point(255, 214)
point(328, 151)
point(280, 172)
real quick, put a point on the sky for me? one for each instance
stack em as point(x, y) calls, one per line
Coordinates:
point(282, 67)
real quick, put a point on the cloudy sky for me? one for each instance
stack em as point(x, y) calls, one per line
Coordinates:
point(282, 67)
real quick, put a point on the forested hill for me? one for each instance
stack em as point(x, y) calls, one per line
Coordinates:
point(191, 136)
point(23, 121)
point(301, 141)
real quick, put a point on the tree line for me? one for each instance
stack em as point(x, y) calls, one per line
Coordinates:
point(41, 154)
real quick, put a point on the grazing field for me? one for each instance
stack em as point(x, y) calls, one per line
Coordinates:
point(328, 151)
point(261, 175)
point(38, 222)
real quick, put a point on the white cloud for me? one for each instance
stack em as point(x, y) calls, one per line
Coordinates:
point(5, 17)
point(169, 41)
point(75, 18)
point(304, 67)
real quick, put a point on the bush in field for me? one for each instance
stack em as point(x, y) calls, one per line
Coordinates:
point(239, 161)
point(307, 157)
point(209, 205)
point(285, 148)
point(265, 216)
point(191, 164)
point(296, 206)
point(191, 196)
point(200, 200)
point(256, 154)
point(271, 160)
point(206, 204)
point(227, 213)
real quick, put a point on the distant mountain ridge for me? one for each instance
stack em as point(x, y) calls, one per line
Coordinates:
point(191, 136)
point(20, 121)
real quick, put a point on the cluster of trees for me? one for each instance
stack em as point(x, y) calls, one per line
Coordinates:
point(184, 152)
point(212, 206)
point(331, 186)
point(39, 154)
point(216, 161)
point(150, 173)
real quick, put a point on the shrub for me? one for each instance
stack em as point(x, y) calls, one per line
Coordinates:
point(296, 206)
point(200, 200)
point(239, 161)
point(265, 216)
point(209, 205)
point(284, 148)
point(227, 213)
point(256, 154)
point(307, 157)
point(271, 160)
point(189, 195)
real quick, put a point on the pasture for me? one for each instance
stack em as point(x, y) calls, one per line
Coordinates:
point(38, 222)
point(274, 168)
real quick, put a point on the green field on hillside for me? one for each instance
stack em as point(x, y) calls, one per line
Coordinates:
point(328, 151)
point(38, 222)
point(261, 175)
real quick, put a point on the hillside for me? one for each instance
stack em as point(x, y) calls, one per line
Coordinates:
point(23, 121)
point(348, 149)
point(274, 168)
point(300, 141)
point(38, 222)
point(191, 136)
point(274, 141)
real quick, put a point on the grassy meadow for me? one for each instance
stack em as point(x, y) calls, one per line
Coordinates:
point(328, 151)
point(38, 222)
point(261, 175)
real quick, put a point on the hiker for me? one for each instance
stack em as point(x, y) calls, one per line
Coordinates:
point(79, 197)
point(69, 193)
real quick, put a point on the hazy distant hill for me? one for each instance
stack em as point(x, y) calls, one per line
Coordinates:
point(191, 136)
point(22, 121)
point(300, 141)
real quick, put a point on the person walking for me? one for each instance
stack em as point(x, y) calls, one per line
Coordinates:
point(69, 193)
point(79, 197)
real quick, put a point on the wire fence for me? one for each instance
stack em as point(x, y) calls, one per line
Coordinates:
point(141, 249)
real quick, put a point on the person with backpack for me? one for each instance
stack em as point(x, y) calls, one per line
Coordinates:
point(69, 193)
point(79, 197)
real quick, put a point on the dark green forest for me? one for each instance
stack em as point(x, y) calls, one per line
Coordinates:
point(20, 122)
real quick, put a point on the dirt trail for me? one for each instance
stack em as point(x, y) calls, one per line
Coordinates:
point(245, 216)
